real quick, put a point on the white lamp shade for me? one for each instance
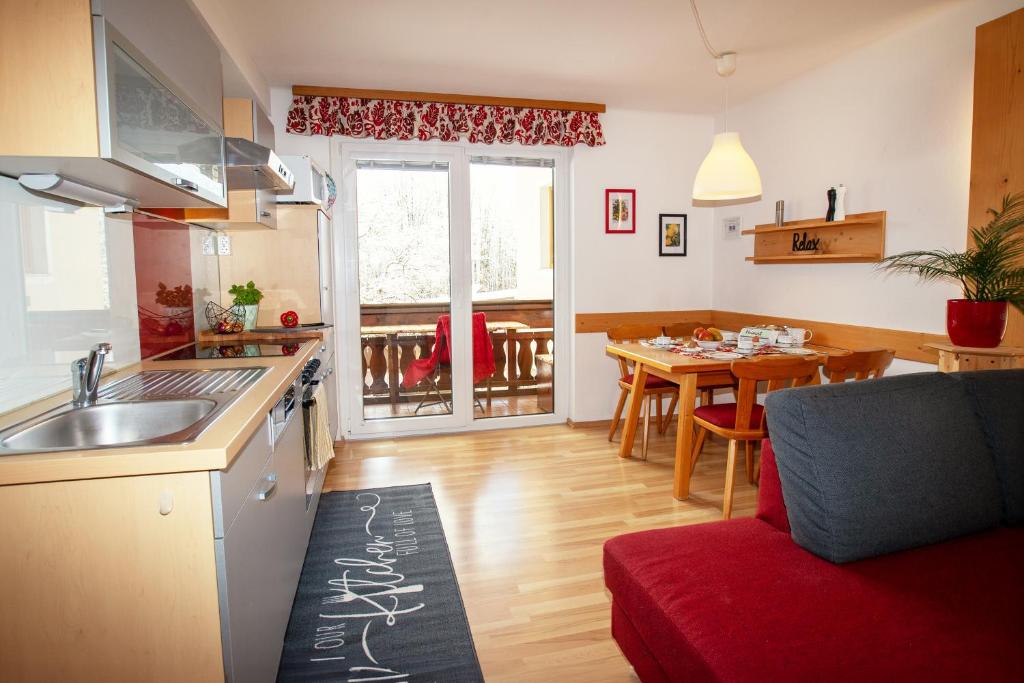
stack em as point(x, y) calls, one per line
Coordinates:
point(727, 172)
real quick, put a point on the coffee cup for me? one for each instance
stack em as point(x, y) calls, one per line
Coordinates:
point(662, 341)
point(785, 340)
point(729, 336)
point(800, 335)
point(745, 342)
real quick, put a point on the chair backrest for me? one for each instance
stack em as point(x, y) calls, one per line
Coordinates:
point(683, 329)
point(630, 333)
point(779, 373)
point(860, 364)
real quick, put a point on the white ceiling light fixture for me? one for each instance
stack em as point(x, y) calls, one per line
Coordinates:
point(727, 172)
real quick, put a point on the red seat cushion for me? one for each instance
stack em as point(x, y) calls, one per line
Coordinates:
point(739, 601)
point(724, 415)
point(652, 381)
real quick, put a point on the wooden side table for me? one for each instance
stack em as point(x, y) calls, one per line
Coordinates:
point(954, 358)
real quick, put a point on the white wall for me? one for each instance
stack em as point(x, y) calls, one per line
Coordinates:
point(657, 154)
point(892, 122)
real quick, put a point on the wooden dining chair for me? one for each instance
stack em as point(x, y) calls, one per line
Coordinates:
point(869, 364)
point(744, 420)
point(655, 389)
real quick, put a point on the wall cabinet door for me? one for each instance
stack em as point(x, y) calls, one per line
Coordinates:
point(149, 127)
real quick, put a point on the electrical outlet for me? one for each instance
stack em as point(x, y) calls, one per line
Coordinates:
point(223, 245)
point(731, 226)
point(208, 245)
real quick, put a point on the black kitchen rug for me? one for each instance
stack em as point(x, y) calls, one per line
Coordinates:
point(378, 599)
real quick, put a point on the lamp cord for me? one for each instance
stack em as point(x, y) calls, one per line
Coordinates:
point(703, 35)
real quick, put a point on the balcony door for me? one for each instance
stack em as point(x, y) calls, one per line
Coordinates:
point(451, 257)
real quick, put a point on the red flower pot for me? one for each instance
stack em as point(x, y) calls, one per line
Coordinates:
point(976, 323)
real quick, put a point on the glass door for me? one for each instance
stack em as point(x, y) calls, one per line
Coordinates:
point(399, 213)
point(449, 258)
point(513, 244)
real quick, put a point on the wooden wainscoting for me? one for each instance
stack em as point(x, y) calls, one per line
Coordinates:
point(602, 322)
point(907, 344)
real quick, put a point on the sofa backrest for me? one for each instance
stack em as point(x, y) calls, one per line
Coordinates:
point(873, 467)
point(998, 398)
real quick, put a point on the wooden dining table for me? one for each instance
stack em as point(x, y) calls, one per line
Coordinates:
point(691, 374)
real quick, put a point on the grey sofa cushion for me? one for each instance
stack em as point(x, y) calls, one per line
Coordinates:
point(873, 467)
point(999, 401)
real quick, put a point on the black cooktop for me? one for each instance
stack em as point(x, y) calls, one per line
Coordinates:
point(236, 350)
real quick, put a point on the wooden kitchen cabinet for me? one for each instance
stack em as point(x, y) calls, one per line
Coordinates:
point(172, 577)
point(99, 584)
point(161, 148)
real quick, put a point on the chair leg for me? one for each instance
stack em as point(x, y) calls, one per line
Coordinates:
point(647, 425)
point(658, 424)
point(671, 411)
point(730, 476)
point(617, 416)
point(748, 453)
point(707, 397)
point(698, 445)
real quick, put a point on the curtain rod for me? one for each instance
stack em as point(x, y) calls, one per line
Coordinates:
point(446, 98)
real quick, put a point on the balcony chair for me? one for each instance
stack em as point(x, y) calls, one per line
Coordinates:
point(745, 420)
point(429, 369)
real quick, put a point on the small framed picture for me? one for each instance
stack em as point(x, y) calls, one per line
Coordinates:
point(620, 211)
point(671, 234)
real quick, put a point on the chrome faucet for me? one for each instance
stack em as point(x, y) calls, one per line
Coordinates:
point(85, 375)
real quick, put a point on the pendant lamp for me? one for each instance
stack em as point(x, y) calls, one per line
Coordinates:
point(727, 172)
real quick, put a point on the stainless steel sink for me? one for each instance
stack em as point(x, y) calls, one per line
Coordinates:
point(149, 408)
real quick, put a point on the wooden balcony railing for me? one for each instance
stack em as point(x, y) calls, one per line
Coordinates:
point(387, 355)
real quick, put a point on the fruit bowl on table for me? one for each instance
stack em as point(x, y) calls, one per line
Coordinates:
point(709, 345)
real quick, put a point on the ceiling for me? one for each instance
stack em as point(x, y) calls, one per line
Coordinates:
point(644, 54)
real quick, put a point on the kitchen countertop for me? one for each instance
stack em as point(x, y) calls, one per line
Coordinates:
point(215, 449)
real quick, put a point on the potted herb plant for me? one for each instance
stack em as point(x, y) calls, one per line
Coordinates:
point(248, 298)
point(991, 273)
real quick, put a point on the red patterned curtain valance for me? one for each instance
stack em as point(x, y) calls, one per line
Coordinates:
point(407, 120)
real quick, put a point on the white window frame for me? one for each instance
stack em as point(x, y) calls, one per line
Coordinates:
point(344, 153)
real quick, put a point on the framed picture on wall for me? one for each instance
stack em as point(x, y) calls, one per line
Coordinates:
point(620, 211)
point(671, 234)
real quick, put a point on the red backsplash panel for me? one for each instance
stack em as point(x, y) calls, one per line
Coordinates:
point(163, 280)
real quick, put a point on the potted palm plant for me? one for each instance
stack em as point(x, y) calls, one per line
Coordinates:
point(991, 273)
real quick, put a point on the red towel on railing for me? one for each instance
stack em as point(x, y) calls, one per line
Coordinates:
point(483, 352)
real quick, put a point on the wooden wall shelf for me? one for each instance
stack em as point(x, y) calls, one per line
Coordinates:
point(858, 239)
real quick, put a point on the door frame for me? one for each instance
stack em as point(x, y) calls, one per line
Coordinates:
point(344, 153)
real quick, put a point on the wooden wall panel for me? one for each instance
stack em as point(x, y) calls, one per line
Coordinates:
point(907, 344)
point(47, 81)
point(997, 147)
point(602, 322)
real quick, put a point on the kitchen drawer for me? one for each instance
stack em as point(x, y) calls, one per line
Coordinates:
point(230, 488)
point(259, 561)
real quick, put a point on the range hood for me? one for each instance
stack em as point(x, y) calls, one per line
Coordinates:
point(251, 166)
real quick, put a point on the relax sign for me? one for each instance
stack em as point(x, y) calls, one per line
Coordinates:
point(804, 243)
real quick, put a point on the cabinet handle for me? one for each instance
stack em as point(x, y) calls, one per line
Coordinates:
point(266, 491)
point(264, 214)
point(186, 184)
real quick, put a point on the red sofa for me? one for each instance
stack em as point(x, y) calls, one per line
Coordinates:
point(738, 600)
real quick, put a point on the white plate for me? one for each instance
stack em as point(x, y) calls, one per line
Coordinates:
point(797, 351)
point(725, 355)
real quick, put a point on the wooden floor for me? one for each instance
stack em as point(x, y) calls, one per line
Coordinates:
point(525, 512)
